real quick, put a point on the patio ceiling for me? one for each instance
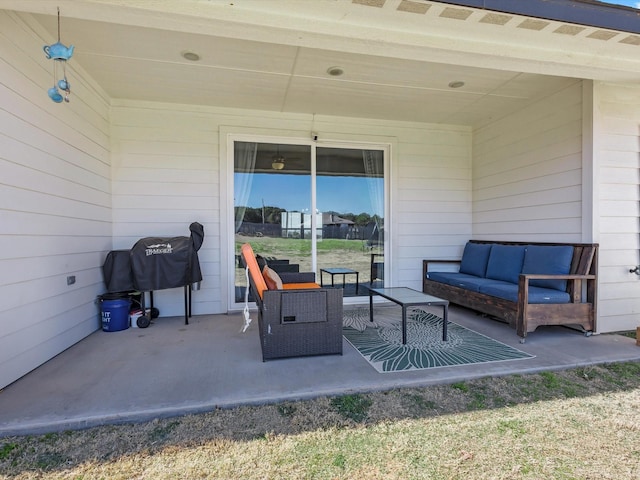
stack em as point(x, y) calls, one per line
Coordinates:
point(398, 56)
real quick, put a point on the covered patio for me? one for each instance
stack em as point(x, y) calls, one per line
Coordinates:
point(171, 369)
point(500, 125)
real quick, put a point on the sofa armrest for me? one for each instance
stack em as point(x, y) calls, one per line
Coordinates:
point(301, 322)
point(545, 276)
point(308, 305)
point(575, 284)
point(427, 262)
point(298, 277)
point(284, 267)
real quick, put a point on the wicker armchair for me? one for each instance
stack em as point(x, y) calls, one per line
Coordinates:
point(298, 320)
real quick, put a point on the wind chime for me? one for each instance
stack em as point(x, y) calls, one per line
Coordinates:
point(59, 53)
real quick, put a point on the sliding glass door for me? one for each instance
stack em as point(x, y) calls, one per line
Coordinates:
point(311, 208)
point(350, 195)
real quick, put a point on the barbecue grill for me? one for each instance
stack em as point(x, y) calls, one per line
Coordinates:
point(156, 263)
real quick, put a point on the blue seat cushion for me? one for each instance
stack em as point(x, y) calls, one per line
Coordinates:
point(536, 294)
point(462, 280)
point(505, 262)
point(475, 258)
point(549, 259)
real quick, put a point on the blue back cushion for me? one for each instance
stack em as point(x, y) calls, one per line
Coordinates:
point(505, 262)
point(548, 259)
point(475, 258)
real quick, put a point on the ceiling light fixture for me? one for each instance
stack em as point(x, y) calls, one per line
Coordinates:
point(277, 163)
point(335, 71)
point(456, 84)
point(191, 56)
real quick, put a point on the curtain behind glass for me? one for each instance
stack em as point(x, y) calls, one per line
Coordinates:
point(245, 164)
point(374, 169)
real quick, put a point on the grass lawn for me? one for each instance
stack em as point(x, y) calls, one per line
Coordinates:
point(331, 253)
point(574, 424)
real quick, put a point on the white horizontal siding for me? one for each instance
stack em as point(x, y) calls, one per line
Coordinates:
point(166, 174)
point(432, 207)
point(55, 203)
point(617, 135)
point(527, 172)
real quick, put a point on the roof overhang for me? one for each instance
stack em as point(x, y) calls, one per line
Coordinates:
point(591, 13)
point(399, 55)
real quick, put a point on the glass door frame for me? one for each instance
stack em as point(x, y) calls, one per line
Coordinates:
point(227, 206)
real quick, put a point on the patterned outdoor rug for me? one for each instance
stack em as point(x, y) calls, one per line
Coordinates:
point(381, 344)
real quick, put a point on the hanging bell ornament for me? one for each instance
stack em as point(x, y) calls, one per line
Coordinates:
point(54, 94)
point(59, 53)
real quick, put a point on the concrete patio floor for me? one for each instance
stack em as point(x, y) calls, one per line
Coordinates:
point(172, 369)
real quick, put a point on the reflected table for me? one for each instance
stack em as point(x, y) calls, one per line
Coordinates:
point(339, 271)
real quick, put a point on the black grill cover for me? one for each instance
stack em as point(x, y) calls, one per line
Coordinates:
point(162, 262)
point(117, 271)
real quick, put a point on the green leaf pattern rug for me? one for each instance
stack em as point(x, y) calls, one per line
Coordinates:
point(381, 345)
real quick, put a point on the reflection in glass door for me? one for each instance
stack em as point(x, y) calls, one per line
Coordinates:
point(350, 195)
point(272, 206)
point(274, 187)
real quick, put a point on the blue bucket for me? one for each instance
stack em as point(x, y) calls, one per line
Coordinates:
point(115, 315)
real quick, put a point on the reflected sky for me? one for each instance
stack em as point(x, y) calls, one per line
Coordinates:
point(292, 192)
point(627, 3)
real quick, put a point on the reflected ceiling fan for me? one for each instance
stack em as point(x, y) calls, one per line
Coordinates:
point(277, 162)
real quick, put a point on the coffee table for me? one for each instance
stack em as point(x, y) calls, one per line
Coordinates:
point(339, 271)
point(408, 297)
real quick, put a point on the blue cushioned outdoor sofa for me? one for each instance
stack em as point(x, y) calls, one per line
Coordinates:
point(527, 284)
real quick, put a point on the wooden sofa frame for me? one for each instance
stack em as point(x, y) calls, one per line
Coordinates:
point(582, 284)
